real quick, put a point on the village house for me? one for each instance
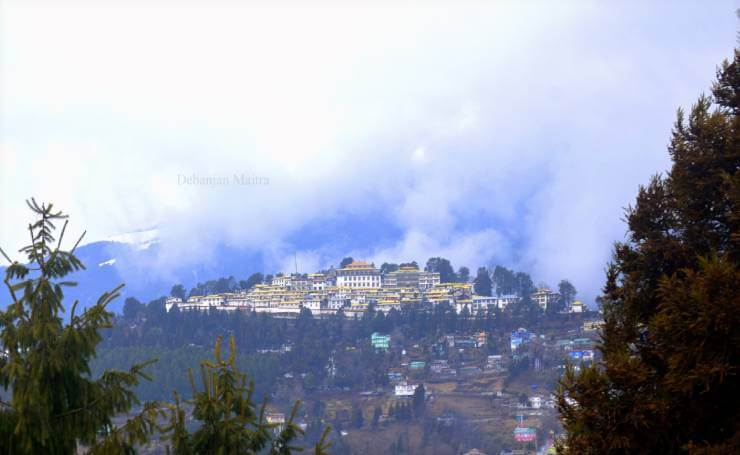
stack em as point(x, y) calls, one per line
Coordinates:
point(380, 341)
point(405, 390)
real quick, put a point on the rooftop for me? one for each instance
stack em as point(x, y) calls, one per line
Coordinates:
point(359, 265)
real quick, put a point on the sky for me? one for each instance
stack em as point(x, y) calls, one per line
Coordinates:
point(509, 133)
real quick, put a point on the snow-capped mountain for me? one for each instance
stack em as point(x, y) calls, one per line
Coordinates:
point(131, 259)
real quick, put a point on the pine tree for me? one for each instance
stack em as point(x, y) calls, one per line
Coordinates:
point(671, 303)
point(419, 400)
point(377, 412)
point(55, 406)
point(482, 283)
point(357, 418)
point(230, 421)
point(567, 294)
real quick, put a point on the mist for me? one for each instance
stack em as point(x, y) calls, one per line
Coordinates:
point(488, 134)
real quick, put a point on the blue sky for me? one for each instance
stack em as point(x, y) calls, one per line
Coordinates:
point(501, 132)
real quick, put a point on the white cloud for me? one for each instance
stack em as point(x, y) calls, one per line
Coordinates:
point(538, 121)
point(470, 249)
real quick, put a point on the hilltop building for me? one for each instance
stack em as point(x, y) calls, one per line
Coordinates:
point(281, 280)
point(577, 307)
point(296, 281)
point(172, 301)
point(411, 277)
point(484, 303)
point(353, 289)
point(359, 274)
point(545, 297)
point(318, 281)
point(506, 300)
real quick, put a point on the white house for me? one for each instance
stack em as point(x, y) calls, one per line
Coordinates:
point(239, 300)
point(313, 304)
point(577, 307)
point(338, 300)
point(281, 280)
point(506, 300)
point(428, 280)
point(170, 302)
point(300, 283)
point(360, 275)
point(545, 297)
point(405, 390)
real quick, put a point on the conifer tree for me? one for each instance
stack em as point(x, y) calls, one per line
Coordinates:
point(419, 400)
point(230, 420)
point(377, 412)
point(55, 407)
point(671, 303)
point(482, 283)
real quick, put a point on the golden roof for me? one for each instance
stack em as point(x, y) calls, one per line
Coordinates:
point(355, 265)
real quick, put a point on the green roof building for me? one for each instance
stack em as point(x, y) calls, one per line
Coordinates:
point(380, 341)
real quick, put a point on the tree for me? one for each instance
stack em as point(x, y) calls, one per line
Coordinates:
point(254, 279)
point(387, 267)
point(229, 417)
point(671, 303)
point(222, 285)
point(178, 291)
point(377, 412)
point(357, 419)
point(345, 262)
point(132, 308)
point(504, 280)
point(482, 283)
point(419, 400)
point(463, 274)
point(567, 295)
point(155, 310)
point(55, 405)
point(443, 267)
point(524, 285)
